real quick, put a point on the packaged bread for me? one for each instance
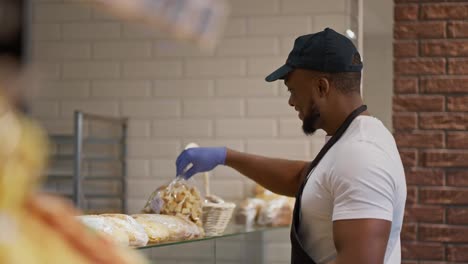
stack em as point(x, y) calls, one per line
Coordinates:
point(179, 228)
point(179, 198)
point(156, 232)
point(248, 211)
point(277, 212)
point(136, 233)
point(52, 221)
point(106, 227)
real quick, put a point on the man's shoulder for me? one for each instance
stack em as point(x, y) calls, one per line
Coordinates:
point(358, 149)
point(357, 158)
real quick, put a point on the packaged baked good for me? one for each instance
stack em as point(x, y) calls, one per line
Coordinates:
point(178, 198)
point(179, 228)
point(136, 233)
point(157, 233)
point(106, 227)
point(248, 211)
point(277, 212)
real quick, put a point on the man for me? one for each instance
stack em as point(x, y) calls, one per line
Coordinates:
point(350, 199)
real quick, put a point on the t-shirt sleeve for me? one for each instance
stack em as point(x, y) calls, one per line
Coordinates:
point(361, 183)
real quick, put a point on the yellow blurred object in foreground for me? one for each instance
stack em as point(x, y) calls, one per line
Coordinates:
point(23, 152)
point(37, 228)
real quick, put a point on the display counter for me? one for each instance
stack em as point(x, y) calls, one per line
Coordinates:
point(238, 244)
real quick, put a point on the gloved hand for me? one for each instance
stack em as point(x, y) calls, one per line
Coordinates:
point(202, 159)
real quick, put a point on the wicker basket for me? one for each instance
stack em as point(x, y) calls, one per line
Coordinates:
point(216, 216)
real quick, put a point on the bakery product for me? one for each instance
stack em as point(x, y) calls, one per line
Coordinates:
point(179, 228)
point(106, 227)
point(137, 236)
point(57, 218)
point(155, 231)
point(177, 199)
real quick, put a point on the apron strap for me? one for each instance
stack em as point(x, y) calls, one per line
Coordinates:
point(298, 254)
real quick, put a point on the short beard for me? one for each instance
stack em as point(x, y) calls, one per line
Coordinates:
point(309, 124)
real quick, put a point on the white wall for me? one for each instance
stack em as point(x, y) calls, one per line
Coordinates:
point(173, 93)
point(378, 58)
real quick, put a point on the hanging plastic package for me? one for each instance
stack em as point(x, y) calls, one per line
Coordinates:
point(179, 198)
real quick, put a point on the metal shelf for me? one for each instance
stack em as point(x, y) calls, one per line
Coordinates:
point(104, 196)
point(69, 157)
point(96, 178)
point(67, 139)
point(83, 156)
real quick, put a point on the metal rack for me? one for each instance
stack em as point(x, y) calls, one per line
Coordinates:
point(77, 157)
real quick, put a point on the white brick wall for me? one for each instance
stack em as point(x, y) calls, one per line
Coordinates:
point(120, 89)
point(122, 50)
point(213, 107)
point(183, 88)
point(63, 89)
point(90, 70)
point(174, 93)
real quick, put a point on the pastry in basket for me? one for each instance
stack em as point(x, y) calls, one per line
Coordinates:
point(105, 226)
point(179, 228)
point(136, 233)
point(156, 232)
point(178, 199)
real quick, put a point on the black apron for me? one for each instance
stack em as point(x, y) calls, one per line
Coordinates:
point(298, 254)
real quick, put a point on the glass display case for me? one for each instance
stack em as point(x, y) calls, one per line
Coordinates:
point(238, 244)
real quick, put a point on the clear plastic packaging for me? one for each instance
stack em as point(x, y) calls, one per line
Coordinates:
point(179, 198)
point(179, 228)
point(156, 232)
point(106, 227)
point(277, 212)
point(136, 233)
point(248, 211)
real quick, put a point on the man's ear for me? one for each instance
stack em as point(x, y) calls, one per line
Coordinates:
point(323, 87)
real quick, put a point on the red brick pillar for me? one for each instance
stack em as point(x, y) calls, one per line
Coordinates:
point(430, 121)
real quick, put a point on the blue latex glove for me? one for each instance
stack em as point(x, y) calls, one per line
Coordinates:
point(202, 159)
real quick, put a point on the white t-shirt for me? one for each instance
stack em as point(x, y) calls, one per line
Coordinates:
point(361, 176)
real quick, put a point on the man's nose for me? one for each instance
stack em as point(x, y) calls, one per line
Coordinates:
point(290, 101)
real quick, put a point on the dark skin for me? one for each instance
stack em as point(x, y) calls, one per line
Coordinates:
point(356, 241)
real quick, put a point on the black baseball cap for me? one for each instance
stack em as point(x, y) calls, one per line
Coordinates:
point(325, 51)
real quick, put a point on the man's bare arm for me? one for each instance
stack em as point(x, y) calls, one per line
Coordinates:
point(277, 175)
point(361, 241)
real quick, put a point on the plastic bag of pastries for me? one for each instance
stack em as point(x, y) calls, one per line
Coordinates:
point(105, 226)
point(179, 228)
point(136, 233)
point(179, 198)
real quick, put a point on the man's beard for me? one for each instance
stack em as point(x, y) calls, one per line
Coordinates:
point(310, 121)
